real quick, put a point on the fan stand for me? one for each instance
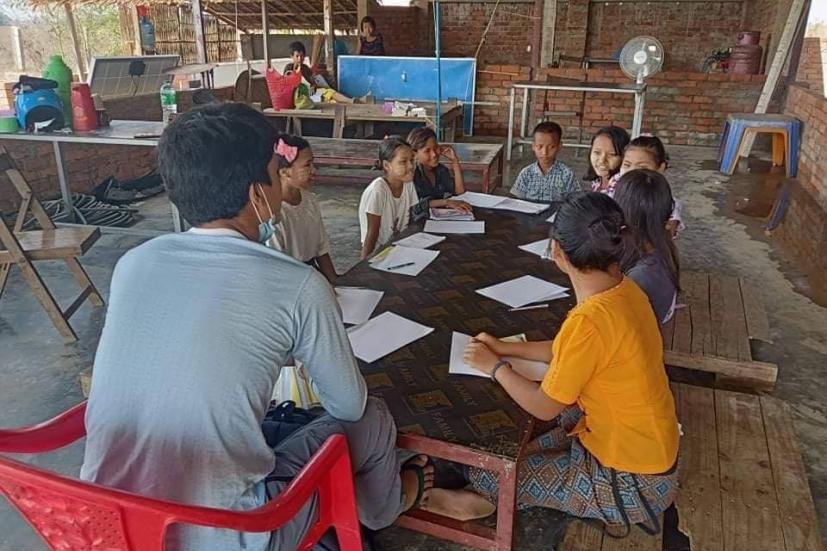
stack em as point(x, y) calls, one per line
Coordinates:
point(637, 119)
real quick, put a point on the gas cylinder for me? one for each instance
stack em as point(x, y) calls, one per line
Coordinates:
point(745, 57)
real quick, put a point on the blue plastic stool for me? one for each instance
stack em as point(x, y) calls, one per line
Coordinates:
point(786, 140)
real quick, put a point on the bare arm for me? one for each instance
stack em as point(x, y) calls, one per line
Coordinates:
point(358, 45)
point(528, 394)
point(326, 267)
point(459, 182)
point(374, 221)
point(538, 351)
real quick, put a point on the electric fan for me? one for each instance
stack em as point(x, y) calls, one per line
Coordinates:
point(640, 58)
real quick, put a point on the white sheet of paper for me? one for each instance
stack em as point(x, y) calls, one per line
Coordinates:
point(386, 333)
point(523, 290)
point(399, 256)
point(456, 366)
point(551, 218)
point(357, 304)
point(482, 200)
point(449, 226)
point(518, 205)
point(540, 248)
point(421, 240)
point(533, 371)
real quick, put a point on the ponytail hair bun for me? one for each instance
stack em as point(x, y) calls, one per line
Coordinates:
point(590, 229)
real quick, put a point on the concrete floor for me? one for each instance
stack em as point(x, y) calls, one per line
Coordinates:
point(38, 373)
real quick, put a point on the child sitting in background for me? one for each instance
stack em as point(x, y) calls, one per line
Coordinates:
point(301, 232)
point(385, 207)
point(647, 151)
point(652, 259)
point(548, 179)
point(370, 42)
point(319, 94)
point(605, 157)
point(433, 181)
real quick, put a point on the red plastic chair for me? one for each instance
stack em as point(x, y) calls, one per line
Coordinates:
point(70, 514)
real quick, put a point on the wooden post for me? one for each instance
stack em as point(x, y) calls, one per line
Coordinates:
point(549, 23)
point(265, 33)
point(537, 33)
point(73, 33)
point(138, 47)
point(361, 12)
point(330, 57)
point(198, 27)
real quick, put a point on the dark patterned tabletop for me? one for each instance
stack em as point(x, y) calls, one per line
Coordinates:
point(414, 381)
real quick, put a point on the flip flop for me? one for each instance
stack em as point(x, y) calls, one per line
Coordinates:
point(420, 479)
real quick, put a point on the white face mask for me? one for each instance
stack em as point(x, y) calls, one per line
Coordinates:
point(266, 228)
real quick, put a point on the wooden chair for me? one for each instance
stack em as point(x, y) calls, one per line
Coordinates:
point(23, 248)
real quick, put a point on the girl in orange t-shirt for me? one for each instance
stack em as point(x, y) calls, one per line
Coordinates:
point(613, 452)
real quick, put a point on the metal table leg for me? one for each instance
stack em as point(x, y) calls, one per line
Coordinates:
point(510, 143)
point(524, 118)
point(637, 120)
point(63, 180)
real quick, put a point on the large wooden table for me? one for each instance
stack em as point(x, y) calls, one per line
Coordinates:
point(364, 115)
point(485, 159)
point(465, 419)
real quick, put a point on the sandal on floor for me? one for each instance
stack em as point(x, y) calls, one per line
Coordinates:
point(420, 479)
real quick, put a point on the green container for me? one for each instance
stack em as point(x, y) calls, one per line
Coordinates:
point(8, 125)
point(58, 71)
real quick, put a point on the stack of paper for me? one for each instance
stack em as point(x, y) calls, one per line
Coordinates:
point(518, 205)
point(540, 248)
point(485, 201)
point(551, 218)
point(524, 290)
point(421, 240)
point(439, 226)
point(406, 260)
point(533, 371)
point(357, 304)
point(481, 200)
point(450, 214)
point(386, 333)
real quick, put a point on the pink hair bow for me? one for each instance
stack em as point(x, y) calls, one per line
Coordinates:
point(289, 152)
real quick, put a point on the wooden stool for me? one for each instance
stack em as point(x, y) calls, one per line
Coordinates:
point(786, 137)
point(22, 248)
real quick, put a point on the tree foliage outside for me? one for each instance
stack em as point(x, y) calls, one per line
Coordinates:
point(44, 32)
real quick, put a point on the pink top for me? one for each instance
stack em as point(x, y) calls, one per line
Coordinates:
point(677, 210)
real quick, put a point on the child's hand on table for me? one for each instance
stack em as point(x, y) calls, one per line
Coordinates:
point(479, 356)
point(497, 346)
point(459, 205)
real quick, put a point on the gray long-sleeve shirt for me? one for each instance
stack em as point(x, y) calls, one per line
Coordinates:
point(197, 329)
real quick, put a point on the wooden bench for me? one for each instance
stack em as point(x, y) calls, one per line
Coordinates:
point(743, 484)
point(486, 160)
point(721, 314)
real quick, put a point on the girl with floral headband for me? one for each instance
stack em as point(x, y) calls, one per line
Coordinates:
point(301, 232)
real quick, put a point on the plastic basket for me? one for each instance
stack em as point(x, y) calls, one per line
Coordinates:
point(281, 88)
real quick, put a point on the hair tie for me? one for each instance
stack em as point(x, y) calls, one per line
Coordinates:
point(289, 152)
point(646, 135)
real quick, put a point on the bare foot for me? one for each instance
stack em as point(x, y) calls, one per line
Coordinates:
point(411, 484)
point(458, 504)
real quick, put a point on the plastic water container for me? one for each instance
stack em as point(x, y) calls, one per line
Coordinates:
point(84, 118)
point(169, 103)
point(57, 70)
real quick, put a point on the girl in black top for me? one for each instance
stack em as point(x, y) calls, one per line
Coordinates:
point(434, 182)
point(370, 42)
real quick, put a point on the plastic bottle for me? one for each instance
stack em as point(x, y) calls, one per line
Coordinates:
point(57, 70)
point(169, 103)
point(84, 118)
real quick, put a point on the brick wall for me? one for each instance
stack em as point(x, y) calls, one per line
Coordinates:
point(681, 108)
point(87, 165)
point(813, 65)
point(405, 31)
point(689, 30)
point(804, 228)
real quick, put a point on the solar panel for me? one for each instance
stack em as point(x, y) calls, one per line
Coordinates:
point(118, 77)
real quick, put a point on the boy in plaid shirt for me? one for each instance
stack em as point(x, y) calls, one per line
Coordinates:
point(548, 179)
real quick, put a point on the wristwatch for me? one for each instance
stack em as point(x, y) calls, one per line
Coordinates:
point(500, 364)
